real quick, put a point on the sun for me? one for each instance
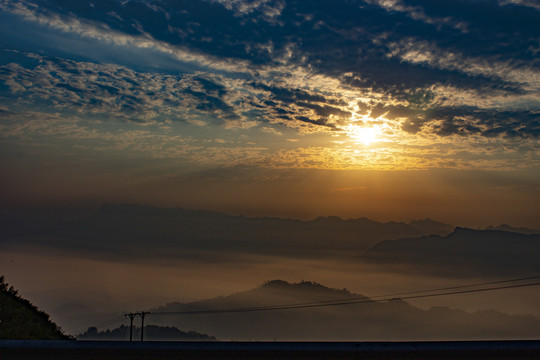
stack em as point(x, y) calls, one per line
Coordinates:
point(365, 135)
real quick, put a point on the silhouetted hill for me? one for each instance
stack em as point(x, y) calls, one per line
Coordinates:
point(464, 251)
point(21, 320)
point(304, 288)
point(368, 320)
point(134, 230)
point(151, 332)
point(430, 226)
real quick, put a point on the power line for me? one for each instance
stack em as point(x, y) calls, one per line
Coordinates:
point(471, 291)
point(461, 286)
point(399, 294)
point(362, 300)
point(443, 291)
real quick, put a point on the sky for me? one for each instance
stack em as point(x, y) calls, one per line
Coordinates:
point(388, 109)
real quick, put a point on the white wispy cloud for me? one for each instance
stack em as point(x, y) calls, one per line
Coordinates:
point(419, 51)
point(290, 86)
point(101, 32)
point(529, 3)
point(419, 14)
point(270, 9)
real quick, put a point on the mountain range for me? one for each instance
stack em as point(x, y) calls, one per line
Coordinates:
point(198, 253)
point(464, 251)
point(134, 230)
point(391, 319)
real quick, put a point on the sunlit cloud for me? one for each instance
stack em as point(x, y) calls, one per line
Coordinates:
point(421, 52)
point(268, 8)
point(377, 94)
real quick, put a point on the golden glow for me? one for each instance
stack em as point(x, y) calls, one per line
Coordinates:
point(365, 135)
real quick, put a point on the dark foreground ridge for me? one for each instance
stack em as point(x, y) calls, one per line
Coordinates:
point(18, 349)
point(20, 319)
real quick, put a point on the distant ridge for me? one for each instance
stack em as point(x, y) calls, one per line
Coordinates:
point(303, 286)
point(430, 226)
point(483, 252)
point(520, 230)
point(120, 230)
point(364, 321)
point(270, 292)
point(151, 333)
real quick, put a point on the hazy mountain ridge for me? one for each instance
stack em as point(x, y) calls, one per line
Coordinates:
point(121, 229)
point(379, 320)
point(484, 252)
point(519, 230)
point(275, 292)
point(151, 333)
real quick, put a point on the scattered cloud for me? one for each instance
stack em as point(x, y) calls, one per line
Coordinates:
point(529, 3)
point(269, 9)
point(421, 52)
point(271, 130)
point(419, 14)
point(420, 72)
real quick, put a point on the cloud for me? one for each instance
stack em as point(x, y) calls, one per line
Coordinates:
point(418, 13)
point(94, 29)
point(109, 93)
point(117, 91)
point(269, 10)
point(122, 93)
point(528, 3)
point(271, 130)
point(418, 71)
point(422, 52)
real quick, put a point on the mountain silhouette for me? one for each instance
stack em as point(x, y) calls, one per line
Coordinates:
point(151, 333)
point(520, 230)
point(464, 251)
point(378, 320)
point(121, 230)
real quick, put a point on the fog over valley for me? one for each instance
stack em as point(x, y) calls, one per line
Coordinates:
point(88, 266)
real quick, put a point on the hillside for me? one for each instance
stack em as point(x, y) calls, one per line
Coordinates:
point(377, 320)
point(21, 320)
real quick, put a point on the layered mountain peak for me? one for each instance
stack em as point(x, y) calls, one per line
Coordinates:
point(302, 286)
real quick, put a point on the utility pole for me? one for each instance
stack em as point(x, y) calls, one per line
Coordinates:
point(131, 316)
point(142, 314)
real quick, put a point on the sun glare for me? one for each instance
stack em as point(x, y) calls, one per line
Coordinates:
point(364, 135)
